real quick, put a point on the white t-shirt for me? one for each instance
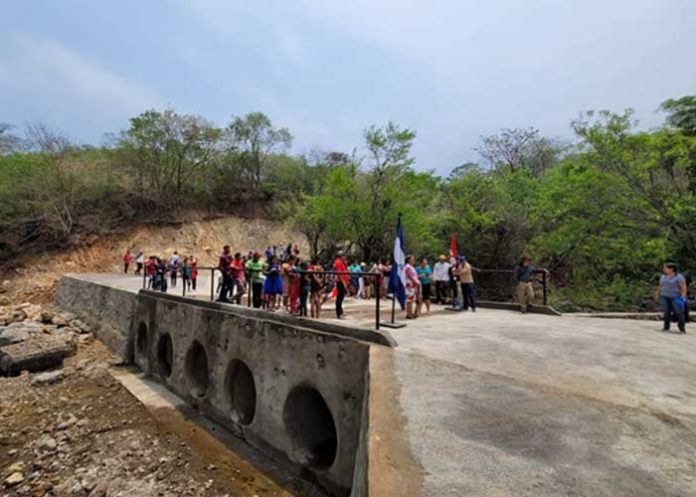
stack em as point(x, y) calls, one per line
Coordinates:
point(441, 271)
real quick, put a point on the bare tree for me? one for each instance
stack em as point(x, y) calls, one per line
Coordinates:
point(516, 149)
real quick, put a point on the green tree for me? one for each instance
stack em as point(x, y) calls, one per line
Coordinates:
point(681, 113)
point(165, 150)
point(253, 139)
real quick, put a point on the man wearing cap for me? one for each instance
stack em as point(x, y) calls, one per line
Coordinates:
point(441, 277)
point(254, 266)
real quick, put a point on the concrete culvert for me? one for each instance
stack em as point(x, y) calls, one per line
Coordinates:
point(165, 355)
point(242, 391)
point(197, 369)
point(310, 427)
point(141, 339)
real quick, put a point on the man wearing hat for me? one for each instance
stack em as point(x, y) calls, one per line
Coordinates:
point(441, 277)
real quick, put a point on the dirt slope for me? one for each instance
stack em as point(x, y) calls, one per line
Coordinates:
point(34, 279)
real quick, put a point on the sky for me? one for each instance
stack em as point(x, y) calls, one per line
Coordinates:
point(452, 70)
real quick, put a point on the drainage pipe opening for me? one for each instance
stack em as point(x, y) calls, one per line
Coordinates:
point(311, 428)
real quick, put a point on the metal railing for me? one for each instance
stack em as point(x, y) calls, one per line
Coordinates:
point(247, 287)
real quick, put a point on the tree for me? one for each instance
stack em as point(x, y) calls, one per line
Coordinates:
point(253, 138)
point(9, 142)
point(165, 150)
point(378, 196)
point(681, 113)
point(518, 149)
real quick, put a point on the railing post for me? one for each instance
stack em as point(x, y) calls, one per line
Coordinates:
point(543, 283)
point(183, 285)
point(377, 298)
point(212, 284)
point(144, 279)
point(248, 282)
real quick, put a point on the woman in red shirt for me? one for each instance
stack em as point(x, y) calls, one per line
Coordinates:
point(341, 283)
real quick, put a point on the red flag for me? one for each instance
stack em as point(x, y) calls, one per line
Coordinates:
point(454, 252)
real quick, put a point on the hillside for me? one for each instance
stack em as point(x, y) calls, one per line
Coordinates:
point(33, 278)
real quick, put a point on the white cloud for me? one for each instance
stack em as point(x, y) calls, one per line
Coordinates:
point(48, 70)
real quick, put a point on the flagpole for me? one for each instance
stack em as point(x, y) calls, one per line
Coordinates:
point(393, 323)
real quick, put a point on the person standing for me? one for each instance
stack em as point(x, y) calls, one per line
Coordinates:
point(186, 273)
point(194, 271)
point(412, 289)
point(442, 279)
point(238, 278)
point(255, 267)
point(273, 286)
point(151, 271)
point(425, 277)
point(305, 287)
point(524, 276)
point(224, 265)
point(672, 296)
point(316, 285)
point(466, 279)
point(126, 261)
point(173, 267)
point(139, 262)
point(341, 283)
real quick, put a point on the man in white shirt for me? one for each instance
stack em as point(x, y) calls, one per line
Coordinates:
point(442, 279)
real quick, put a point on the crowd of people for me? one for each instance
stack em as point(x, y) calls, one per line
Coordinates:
point(280, 278)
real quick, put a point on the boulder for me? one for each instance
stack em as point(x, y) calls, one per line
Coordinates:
point(40, 353)
point(9, 336)
point(46, 317)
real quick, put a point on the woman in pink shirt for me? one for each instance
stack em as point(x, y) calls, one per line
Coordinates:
point(413, 287)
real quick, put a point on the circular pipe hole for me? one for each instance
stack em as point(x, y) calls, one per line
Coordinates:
point(310, 427)
point(165, 355)
point(141, 339)
point(197, 369)
point(242, 392)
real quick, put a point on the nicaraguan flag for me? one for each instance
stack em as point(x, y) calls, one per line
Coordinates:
point(397, 279)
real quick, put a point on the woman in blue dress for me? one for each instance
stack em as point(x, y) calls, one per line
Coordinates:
point(273, 286)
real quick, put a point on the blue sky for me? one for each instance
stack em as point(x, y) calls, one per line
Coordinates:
point(450, 69)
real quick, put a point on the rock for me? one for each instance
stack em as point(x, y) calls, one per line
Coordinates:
point(14, 479)
point(12, 452)
point(8, 336)
point(17, 315)
point(48, 378)
point(46, 317)
point(80, 326)
point(47, 442)
point(17, 467)
point(31, 326)
point(63, 318)
point(24, 305)
point(42, 352)
point(4, 300)
point(66, 424)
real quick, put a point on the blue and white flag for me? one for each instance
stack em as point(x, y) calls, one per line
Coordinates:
point(397, 278)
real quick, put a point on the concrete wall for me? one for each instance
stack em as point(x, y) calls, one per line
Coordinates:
point(287, 389)
point(296, 393)
point(107, 309)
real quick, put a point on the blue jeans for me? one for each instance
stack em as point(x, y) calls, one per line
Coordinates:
point(669, 306)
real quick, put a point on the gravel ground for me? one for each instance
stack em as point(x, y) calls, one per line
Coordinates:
point(75, 431)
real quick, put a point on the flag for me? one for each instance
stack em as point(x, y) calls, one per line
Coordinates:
point(397, 278)
point(453, 252)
